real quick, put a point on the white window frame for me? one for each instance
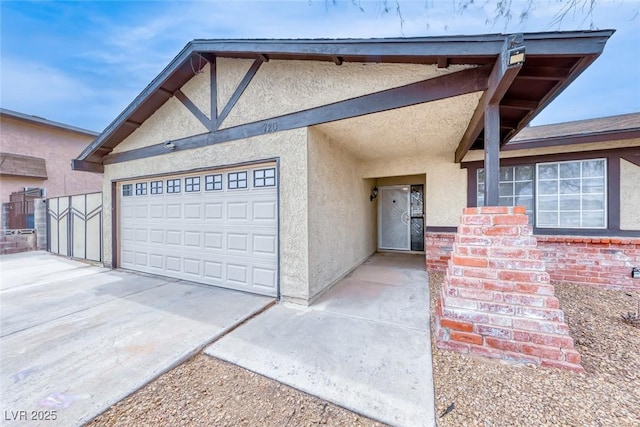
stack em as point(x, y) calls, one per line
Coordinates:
point(580, 195)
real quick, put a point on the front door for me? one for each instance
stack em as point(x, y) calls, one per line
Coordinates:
point(394, 218)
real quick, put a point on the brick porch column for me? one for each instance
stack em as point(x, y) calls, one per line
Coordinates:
point(496, 299)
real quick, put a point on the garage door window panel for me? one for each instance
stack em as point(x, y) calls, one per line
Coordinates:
point(264, 177)
point(213, 182)
point(173, 185)
point(141, 189)
point(156, 187)
point(236, 180)
point(127, 190)
point(192, 184)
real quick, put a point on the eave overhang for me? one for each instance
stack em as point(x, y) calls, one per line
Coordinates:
point(553, 61)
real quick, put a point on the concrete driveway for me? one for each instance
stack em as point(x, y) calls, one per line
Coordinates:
point(76, 338)
point(365, 345)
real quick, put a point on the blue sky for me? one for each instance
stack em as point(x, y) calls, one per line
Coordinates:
point(83, 62)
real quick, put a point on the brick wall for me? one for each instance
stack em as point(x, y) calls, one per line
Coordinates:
point(604, 262)
point(496, 298)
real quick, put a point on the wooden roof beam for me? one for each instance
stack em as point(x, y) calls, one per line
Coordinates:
point(544, 73)
point(518, 104)
point(500, 79)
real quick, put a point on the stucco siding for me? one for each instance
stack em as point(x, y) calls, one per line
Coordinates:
point(401, 180)
point(57, 147)
point(229, 74)
point(171, 121)
point(198, 90)
point(445, 192)
point(342, 219)
point(629, 200)
point(291, 149)
point(281, 87)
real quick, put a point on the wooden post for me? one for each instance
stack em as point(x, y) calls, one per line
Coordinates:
point(492, 155)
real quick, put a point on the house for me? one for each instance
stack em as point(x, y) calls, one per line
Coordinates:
point(35, 155)
point(278, 166)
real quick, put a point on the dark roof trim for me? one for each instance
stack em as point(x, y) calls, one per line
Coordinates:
point(181, 69)
point(612, 135)
point(601, 129)
point(45, 122)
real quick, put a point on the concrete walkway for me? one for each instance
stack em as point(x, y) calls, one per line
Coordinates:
point(76, 339)
point(364, 346)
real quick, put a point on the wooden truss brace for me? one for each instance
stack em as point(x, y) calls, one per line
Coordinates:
point(446, 86)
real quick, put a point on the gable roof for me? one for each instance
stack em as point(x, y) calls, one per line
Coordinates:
point(42, 121)
point(554, 59)
point(624, 126)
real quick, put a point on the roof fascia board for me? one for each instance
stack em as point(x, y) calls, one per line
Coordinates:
point(612, 135)
point(489, 45)
point(83, 165)
point(45, 122)
point(155, 84)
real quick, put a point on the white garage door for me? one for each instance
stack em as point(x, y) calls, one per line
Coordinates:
point(218, 228)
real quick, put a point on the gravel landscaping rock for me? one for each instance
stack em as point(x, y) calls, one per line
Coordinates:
point(495, 393)
point(209, 392)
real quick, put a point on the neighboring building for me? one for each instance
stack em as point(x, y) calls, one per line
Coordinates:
point(278, 166)
point(36, 154)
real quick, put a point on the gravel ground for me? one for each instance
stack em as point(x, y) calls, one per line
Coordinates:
point(206, 391)
point(493, 393)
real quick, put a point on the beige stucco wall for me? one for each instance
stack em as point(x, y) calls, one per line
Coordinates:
point(289, 146)
point(57, 146)
point(342, 219)
point(445, 192)
point(198, 90)
point(629, 200)
point(171, 121)
point(401, 180)
point(229, 73)
point(281, 87)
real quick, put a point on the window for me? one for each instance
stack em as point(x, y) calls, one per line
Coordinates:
point(156, 187)
point(515, 187)
point(568, 194)
point(213, 182)
point(127, 189)
point(237, 180)
point(571, 194)
point(173, 186)
point(141, 188)
point(192, 184)
point(264, 177)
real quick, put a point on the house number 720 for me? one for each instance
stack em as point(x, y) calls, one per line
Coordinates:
point(270, 127)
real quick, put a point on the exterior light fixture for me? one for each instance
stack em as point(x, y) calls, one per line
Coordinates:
point(374, 193)
point(516, 56)
point(169, 145)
